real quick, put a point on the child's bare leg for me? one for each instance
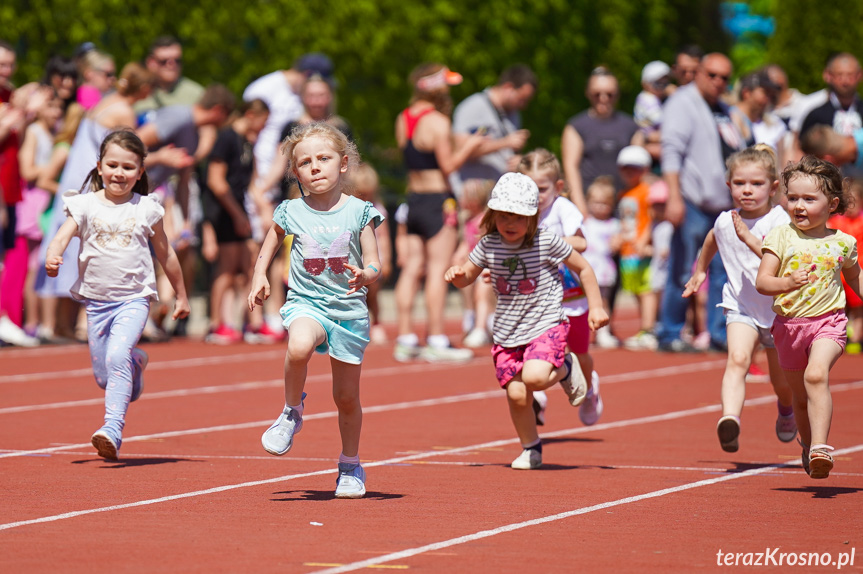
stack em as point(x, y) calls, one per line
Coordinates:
point(346, 394)
point(822, 356)
point(408, 282)
point(742, 340)
point(520, 400)
point(777, 378)
point(304, 335)
point(585, 362)
point(800, 404)
point(538, 375)
point(649, 306)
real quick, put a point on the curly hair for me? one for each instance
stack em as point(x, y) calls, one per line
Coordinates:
point(827, 177)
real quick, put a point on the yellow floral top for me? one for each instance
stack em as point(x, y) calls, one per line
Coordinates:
point(824, 258)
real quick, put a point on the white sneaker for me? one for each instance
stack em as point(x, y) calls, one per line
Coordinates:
point(351, 482)
point(478, 337)
point(139, 363)
point(279, 438)
point(641, 341)
point(591, 409)
point(405, 353)
point(445, 354)
point(574, 384)
point(15, 335)
point(540, 400)
point(529, 459)
point(605, 340)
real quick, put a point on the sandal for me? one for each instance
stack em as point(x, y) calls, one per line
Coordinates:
point(728, 430)
point(820, 461)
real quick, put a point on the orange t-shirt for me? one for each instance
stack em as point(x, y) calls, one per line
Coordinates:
point(853, 226)
point(633, 209)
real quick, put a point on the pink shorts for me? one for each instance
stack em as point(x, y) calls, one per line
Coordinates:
point(794, 336)
point(578, 335)
point(549, 347)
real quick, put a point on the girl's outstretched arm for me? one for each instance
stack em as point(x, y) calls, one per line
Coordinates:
point(260, 285)
point(462, 275)
point(767, 283)
point(708, 252)
point(596, 315)
point(54, 254)
point(371, 269)
point(171, 264)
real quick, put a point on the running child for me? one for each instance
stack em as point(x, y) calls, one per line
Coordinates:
point(737, 236)
point(116, 223)
point(334, 256)
point(530, 326)
point(801, 269)
point(560, 216)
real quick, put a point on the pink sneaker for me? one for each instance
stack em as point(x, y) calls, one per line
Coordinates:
point(223, 335)
point(756, 375)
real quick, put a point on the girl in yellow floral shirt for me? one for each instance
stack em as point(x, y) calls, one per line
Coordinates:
point(801, 268)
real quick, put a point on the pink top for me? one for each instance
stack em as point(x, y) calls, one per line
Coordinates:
point(88, 96)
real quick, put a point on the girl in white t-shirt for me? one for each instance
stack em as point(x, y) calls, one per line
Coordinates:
point(117, 223)
point(737, 236)
point(561, 217)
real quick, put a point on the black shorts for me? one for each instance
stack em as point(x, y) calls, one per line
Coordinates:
point(223, 225)
point(429, 212)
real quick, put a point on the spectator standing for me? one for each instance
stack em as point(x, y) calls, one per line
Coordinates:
point(171, 88)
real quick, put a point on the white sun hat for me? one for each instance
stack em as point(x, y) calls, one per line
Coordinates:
point(515, 193)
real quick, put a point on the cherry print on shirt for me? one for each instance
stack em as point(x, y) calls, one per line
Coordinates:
point(525, 285)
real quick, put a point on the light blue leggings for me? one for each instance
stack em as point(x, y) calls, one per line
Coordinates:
point(113, 330)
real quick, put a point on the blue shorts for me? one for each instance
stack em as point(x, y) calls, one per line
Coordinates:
point(346, 340)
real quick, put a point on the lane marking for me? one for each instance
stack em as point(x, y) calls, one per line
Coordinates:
point(324, 377)
point(423, 455)
point(560, 516)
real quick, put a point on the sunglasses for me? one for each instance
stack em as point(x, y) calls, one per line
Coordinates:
point(109, 73)
point(714, 75)
point(166, 61)
point(611, 95)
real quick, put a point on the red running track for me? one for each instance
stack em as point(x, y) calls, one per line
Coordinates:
point(647, 489)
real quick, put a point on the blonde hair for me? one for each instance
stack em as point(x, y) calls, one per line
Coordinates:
point(541, 160)
point(477, 190)
point(760, 154)
point(603, 183)
point(364, 181)
point(339, 142)
point(134, 79)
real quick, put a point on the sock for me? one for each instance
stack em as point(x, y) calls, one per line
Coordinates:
point(537, 446)
point(298, 409)
point(438, 341)
point(343, 459)
point(783, 410)
point(409, 340)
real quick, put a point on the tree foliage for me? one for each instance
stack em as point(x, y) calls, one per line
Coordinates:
point(375, 44)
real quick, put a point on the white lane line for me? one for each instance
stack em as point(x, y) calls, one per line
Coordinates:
point(370, 562)
point(396, 460)
point(379, 372)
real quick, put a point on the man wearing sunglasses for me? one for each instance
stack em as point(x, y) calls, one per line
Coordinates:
point(697, 136)
point(165, 60)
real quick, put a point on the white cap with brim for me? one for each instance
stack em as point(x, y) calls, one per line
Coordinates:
point(515, 193)
point(634, 155)
point(654, 71)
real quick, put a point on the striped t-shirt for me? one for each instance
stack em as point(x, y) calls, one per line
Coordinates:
point(527, 284)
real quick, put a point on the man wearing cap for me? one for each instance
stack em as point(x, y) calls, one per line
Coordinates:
point(495, 113)
point(757, 94)
point(698, 135)
point(280, 90)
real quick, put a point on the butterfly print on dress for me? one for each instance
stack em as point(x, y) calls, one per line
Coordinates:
point(316, 258)
point(106, 234)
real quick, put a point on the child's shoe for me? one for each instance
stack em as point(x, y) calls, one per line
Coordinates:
point(804, 456)
point(573, 382)
point(434, 354)
point(591, 409)
point(820, 461)
point(756, 375)
point(478, 337)
point(540, 400)
point(107, 442)
point(279, 438)
point(529, 459)
point(139, 363)
point(605, 340)
point(728, 430)
point(351, 482)
point(405, 353)
point(786, 428)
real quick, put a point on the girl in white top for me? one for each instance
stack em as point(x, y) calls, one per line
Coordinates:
point(116, 223)
point(737, 235)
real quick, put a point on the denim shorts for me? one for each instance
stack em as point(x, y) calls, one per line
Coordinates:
point(346, 339)
point(794, 336)
point(764, 336)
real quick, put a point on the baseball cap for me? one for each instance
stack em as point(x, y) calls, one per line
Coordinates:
point(515, 193)
point(654, 71)
point(658, 192)
point(315, 63)
point(634, 155)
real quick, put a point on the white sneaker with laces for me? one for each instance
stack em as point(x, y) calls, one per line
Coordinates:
point(279, 438)
point(139, 363)
point(351, 482)
point(445, 354)
point(591, 409)
point(529, 459)
point(405, 353)
point(476, 338)
point(605, 340)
